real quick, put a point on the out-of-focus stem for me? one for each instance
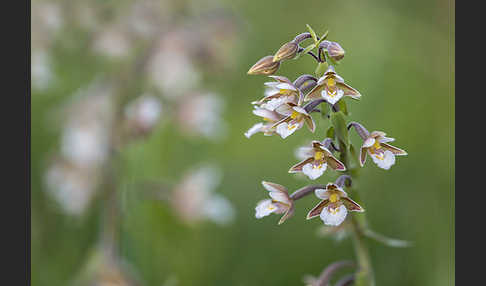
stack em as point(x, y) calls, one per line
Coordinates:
point(364, 275)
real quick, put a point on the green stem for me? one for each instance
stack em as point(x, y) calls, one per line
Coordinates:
point(364, 274)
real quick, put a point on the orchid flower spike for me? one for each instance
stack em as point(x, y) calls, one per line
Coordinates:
point(334, 206)
point(280, 202)
point(318, 157)
point(295, 118)
point(332, 88)
point(267, 127)
point(279, 92)
point(375, 144)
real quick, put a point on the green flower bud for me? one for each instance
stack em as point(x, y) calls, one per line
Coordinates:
point(286, 52)
point(265, 66)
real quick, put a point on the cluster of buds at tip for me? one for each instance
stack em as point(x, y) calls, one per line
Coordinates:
point(376, 145)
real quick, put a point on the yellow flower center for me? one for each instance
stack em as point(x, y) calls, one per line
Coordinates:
point(331, 82)
point(318, 155)
point(377, 145)
point(291, 126)
point(380, 156)
point(333, 211)
point(267, 119)
point(294, 114)
point(285, 91)
point(317, 166)
point(333, 198)
point(271, 207)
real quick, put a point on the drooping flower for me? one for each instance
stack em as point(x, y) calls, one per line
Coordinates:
point(332, 88)
point(318, 157)
point(294, 120)
point(334, 206)
point(375, 144)
point(279, 92)
point(280, 202)
point(266, 127)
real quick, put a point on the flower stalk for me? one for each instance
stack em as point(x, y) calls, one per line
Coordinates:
point(325, 93)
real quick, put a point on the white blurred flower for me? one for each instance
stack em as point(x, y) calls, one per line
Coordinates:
point(41, 70)
point(46, 16)
point(71, 187)
point(201, 114)
point(112, 42)
point(85, 136)
point(193, 199)
point(85, 145)
point(171, 69)
point(143, 113)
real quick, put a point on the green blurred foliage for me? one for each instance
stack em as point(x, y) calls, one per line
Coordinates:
point(399, 55)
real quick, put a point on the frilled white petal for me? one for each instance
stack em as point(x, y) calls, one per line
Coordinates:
point(321, 194)
point(332, 99)
point(271, 91)
point(262, 112)
point(274, 103)
point(284, 129)
point(334, 216)
point(265, 208)
point(272, 84)
point(305, 152)
point(284, 85)
point(314, 171)
point(279, 197)
point(254, 129)
point(384, 160)
point(300, 110)
point(369, 142)
point(386, 139)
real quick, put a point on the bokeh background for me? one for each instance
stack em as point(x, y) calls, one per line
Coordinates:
point(141, 174)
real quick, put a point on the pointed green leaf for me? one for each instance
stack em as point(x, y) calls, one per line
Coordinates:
point(308, 49)
point(339, 123)
point(313, 34)
point(321, 69)
point(323, 37)
point(330, 132)
point(343, 107)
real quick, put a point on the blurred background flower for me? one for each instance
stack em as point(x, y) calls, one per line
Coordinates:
point(129, 93)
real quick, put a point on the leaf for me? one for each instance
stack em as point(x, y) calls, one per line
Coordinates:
point(321, 69)
point(391, 242)
point(313, 34)
point(330, 132)
point(323, 37)
point(308, 48)
point(324, 111)
point(343, 107)
point(339, 123)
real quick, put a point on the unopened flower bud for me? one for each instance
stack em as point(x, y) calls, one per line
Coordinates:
point(265, 66)
point(286, 52)
point(336, 52)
